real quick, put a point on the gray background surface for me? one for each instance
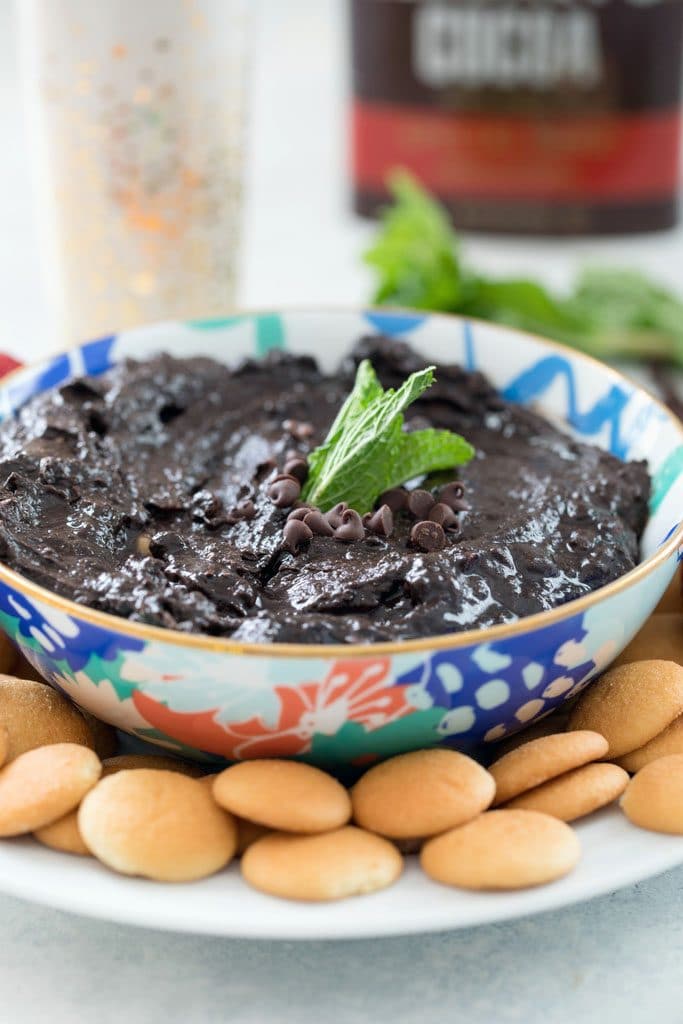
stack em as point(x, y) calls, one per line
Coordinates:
point(617, 959)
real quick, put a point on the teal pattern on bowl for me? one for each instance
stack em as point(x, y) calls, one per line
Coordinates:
point(214, 699)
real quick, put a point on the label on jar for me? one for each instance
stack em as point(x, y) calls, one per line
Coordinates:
point(535, 115)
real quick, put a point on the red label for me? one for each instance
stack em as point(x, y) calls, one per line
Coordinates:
point(597, 157)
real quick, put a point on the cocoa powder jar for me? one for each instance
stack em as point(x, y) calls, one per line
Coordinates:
point(551, 117)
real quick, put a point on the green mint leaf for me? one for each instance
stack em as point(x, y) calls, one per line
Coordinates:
point(367, 451)
point(437, 449)
point(415, 254)
point(366, 389)
point(611, 313)
point(631, 314)
point(530, 306)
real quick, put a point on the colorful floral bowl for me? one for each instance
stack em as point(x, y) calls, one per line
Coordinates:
point(214, 699)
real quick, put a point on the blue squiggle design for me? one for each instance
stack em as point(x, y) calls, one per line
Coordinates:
point(607, 410)
point(97, 355)
point(468, 341)
point(394, 324)
point(55, 371)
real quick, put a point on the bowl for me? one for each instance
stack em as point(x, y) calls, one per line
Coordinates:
point(214, 699)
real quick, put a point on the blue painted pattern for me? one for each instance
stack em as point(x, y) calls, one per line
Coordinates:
point(97, 354)
point(469, 361)
point(608, 409)
point(394, 324)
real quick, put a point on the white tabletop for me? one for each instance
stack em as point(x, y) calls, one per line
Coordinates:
point(615, 959)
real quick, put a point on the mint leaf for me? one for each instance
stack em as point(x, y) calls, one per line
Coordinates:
point(365, 389)
point(415, 253)
point(631, 315)
point(438, 449)
point(610, 313)
point(366, 450)
point(530, 306)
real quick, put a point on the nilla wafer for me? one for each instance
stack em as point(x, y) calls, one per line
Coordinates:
point(535, 762)
point(547, 726)
point(575, 794)
point(421, 793)
point(661, 637)
point(631, 704)
point(670, 741)
point(654, 797)
point(505, 849)
point(36, 715)
point(44, 784)
point(331, 866)
point(158, 824)
point(284, 795)
point(63, 835)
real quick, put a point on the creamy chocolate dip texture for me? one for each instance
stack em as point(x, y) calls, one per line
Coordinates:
point(147, 493)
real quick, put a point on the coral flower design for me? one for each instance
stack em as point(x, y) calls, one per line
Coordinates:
point(353, 691)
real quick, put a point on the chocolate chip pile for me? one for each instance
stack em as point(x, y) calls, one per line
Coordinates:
point(302, 835)
point(435, 516)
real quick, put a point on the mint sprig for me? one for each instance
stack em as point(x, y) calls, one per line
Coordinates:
point(419, 262)
point(367, 451)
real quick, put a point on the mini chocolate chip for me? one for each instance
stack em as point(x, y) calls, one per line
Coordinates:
point(381, 521)
point(396, 498)
point(284, 490)
point(420, 503)
point(297, 468)
point(334, 516)
point(428, 536)
point(351, 527)
point(452, 495)
point(295, 533)
point(246, 509)
point(455, 489)
point(299, 513)
point(317, 522)
point(444, 515)
point(298, 429)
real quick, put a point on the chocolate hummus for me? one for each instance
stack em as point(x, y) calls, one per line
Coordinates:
point(147, 493)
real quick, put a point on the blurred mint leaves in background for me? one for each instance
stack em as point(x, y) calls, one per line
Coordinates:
point(610, 313)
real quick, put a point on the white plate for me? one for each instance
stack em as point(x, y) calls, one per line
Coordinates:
point(615, 854)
